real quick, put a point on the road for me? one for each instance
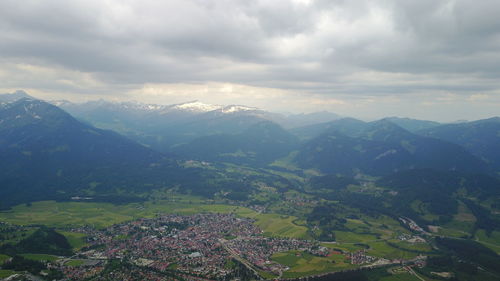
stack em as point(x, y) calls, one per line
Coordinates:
point(238, 258)
point(412, 272)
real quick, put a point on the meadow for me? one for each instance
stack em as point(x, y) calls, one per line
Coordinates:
point(65, 215)
point(303, 264)
point(40, 257)
point(3, 258)
point(6, 273)
point(492, 241)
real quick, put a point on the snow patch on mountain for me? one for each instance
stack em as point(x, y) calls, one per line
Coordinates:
point(60, 102)
point(192, 107)
point(196, 106)
point(238, 108)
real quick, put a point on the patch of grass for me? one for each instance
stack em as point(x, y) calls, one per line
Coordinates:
point(75, 239)
point(303, 264)
point(451, 232)
point(66, 214)
point(344, 247)
point(421, 247)
point(266, 275)
point(289, 259)
point(230, 264)
point(101, 215)
point(121, 237)
point(40, 257)
point(287, 161)
point(13, 237)
point(383, 250)
point(351, 237)
point(3, 258)
point(281, 226)
point(6, 273)
point(173, 266)
point(492, 241)
point(464, 214)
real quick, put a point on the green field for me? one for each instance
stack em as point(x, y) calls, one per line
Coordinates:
point(75, 239)
point(3, 258)
point(281, 226)
point(383, 250)
point(366, 229)
point(492, 241)
point(304, 264)
point(266, 275)
point(344, 247)
point(421, 247)
point(66, 214)
point(100, 215)
point(39, 257)
point(6, 273)
point(351, 237)
point(461, 225)
point(13, 237)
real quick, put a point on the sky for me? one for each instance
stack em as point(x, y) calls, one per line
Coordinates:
point(425, 59)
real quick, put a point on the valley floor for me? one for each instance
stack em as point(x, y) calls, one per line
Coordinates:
point(188, 237)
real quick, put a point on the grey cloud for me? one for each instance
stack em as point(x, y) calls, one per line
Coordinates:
point(318, 48)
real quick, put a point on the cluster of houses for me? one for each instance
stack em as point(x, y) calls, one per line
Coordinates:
point(198, 245)
point(360, 257)
point(411, 238)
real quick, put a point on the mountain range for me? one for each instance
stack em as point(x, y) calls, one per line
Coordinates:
point(381, 147)
point(62, 149)
point(45, 151)
point(163, 127)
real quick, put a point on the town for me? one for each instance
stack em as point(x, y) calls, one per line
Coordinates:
point(196, 245)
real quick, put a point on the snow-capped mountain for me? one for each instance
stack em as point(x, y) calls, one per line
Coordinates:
point(103, 112)
point(238, 108)
point(164, 127)
point(192, 107)
point(91, 105)
point(17, 95)
point(200, 107)
point(195, 107)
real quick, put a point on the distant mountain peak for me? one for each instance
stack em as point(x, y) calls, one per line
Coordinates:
point(60, 103)
point(17, 95)
point(495, 119)
point(197, 106)
point(200, 107)
point(410, 124)
point(238, 108)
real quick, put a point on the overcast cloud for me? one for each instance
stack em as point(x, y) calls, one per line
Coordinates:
point(425, 58)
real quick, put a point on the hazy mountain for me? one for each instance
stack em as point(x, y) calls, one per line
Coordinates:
point(46, 151)
point(19, 94)
point(412, 125)
point(381, 147)
point(482, 137)
point(163, 126)
point(257, 145)
point(476, 185)
point(439, 193)
point(291, 121)
point(347, 126)
point(353, 127)
point(48, 154)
